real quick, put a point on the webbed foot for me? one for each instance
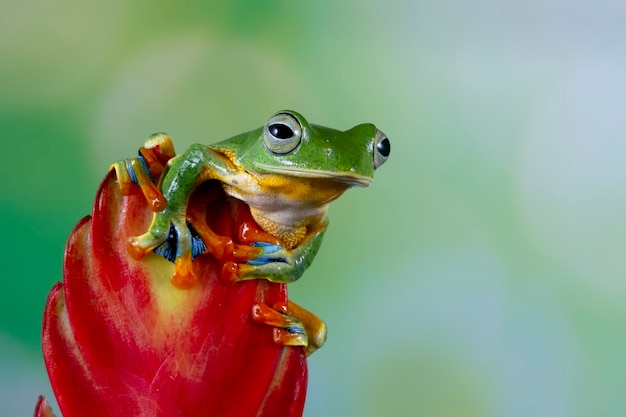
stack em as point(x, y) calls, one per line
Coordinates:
point(270, 252)
point(144, 170)
point(269, 261)
point(314, 326)
point(173, 238)
point(273, 261)
point(293, 325)
point(288, 330)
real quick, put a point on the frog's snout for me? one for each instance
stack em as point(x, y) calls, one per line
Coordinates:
point(382, 148)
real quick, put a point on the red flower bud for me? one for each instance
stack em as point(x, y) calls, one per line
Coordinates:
point(120, 340)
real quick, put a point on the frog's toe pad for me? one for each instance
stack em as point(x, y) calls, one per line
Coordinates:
point(270, 253)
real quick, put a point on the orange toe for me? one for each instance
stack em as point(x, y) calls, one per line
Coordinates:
point(184, 277)
point(135, 250)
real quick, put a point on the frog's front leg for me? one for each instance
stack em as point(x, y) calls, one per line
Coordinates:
point(294, 325)
point(180, 178)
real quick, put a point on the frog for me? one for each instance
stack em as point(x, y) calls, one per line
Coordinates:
point(287, 171)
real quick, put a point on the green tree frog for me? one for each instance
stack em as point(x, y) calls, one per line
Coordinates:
point(287, 171)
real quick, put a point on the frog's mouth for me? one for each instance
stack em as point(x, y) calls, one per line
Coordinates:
point(352, 180)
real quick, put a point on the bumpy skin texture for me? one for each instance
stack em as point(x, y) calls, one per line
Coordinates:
point(120, 340)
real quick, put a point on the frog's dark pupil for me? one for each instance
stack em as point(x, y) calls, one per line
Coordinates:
point(384, 147)
point(281, 131)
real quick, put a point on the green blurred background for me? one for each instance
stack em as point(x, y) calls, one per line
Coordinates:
point(482, 274)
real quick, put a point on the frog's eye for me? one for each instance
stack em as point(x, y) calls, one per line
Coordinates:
point(382, 149)
point(282, 134)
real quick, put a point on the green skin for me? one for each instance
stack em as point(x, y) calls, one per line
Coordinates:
point(266, 171)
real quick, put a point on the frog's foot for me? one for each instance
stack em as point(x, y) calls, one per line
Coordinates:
point(169, 247)
point(275, 261)
point(133, 172)
point(145, 170)
point(314, 326)
point(140, 246)
point(270, 252)
point(174, 239)
point(288, 330)
point(269, 261)
point(204, 240)
point(233, 256)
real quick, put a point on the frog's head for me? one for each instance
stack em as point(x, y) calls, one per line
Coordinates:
point(289, 146)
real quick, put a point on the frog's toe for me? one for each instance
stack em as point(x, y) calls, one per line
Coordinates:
point(135, 172)
point(140, 246)
point(270, 253)
point(290, 337)
point(184, 277)
point(288, 330)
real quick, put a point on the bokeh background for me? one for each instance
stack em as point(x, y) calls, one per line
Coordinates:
point(482, 274)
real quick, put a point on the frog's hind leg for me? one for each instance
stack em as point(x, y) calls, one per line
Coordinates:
point(205, 240)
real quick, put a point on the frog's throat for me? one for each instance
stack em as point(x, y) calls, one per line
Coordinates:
point(290, 235)
point(283, 206)
point(283, 216)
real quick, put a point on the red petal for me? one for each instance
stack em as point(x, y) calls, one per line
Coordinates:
point(119, 339)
